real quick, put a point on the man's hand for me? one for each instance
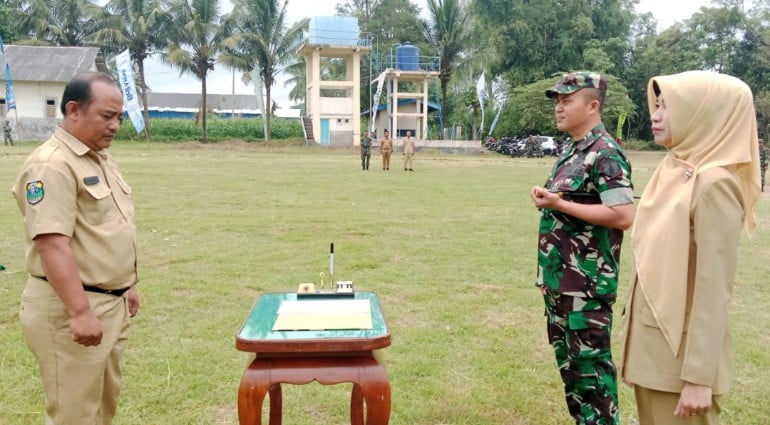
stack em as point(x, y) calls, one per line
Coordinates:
point(543, 198)
point(86, 329)
point(133, 301)
point(694, 400)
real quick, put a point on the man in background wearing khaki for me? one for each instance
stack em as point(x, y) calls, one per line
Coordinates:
point(408, 151)
point(81, 256)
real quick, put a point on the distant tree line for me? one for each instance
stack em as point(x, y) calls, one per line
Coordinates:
point(522, 46)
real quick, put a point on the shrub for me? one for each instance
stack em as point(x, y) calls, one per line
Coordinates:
point(248, 129)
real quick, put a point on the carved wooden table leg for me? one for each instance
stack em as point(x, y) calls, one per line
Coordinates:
point(376, 391)
point(357, 406)
point(251, 394)
point(276, 404)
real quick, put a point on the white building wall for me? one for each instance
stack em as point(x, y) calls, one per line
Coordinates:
point(333, 106)
point(404, 123)
point(31, 98)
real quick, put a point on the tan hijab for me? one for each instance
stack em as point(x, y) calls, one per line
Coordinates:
point(713, 124)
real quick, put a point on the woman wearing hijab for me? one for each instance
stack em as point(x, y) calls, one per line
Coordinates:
point(678, 352)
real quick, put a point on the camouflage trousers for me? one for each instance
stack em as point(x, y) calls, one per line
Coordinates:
point(579, 332)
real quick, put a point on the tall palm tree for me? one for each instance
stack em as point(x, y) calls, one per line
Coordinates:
point(58, 22)
point(141, 26)
point(197, 37)
point(445, 31)
point(264, 42)
point(297, 81)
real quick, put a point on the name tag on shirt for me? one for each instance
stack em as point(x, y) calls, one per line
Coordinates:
point(91, 180)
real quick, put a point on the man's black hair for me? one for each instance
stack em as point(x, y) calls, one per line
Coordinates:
point(79, 89)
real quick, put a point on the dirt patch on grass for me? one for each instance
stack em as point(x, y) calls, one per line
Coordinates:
point(224, 414)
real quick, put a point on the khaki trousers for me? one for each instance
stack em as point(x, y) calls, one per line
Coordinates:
point(657, 408)
point(81, 383)
point(385, 160)
point(408, 161)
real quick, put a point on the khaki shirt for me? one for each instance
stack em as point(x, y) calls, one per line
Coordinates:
point(66, 188)
point(409, 145)
point(386, 145)
point(706, 355)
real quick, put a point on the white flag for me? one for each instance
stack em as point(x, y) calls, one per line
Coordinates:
point(481, 92)
point(376, 101)
point(130, 99)
point(497, 117)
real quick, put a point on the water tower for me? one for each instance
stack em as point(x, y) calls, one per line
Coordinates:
point(407, 80)
point(333, 106)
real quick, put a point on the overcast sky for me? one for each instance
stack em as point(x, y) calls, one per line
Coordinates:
point(163, 79)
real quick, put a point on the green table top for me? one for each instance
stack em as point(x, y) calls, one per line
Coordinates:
point(259, 323)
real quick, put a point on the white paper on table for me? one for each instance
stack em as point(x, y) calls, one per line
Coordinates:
point(323, 315)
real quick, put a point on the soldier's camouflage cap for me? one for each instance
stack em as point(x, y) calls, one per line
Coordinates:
point(574, 81)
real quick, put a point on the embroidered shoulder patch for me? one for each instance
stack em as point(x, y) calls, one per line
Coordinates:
point(35, 192)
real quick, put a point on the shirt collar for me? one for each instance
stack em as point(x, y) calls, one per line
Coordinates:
point(76, 146)
point(595, 134)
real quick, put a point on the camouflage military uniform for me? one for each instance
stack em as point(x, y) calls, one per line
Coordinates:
point(578, 274)
point(366, 154)
point(533, 147)
point(763, 159)
point(7, 133)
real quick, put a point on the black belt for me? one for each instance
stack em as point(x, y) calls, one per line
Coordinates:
point(89, 288)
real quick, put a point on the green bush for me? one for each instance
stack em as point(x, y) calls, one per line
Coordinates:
point(640, 145)
point(248, 129)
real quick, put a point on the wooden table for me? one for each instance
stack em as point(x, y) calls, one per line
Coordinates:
point(301, 357)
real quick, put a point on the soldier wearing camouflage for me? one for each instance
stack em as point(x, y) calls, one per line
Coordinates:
point(578, 258)
point(763, 160)
point(366, 154)
point(7, 133)
point(533, 147)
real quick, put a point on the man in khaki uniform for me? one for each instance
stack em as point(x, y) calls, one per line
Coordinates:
point(408, 151)
point(81, 256)
point(386, 148)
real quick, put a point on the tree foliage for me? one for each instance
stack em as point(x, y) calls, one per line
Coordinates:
point(264, 42)
point(198, 36)
point(142, 27)
point(529, 111)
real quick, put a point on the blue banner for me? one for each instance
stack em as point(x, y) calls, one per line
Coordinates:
point(9, 99)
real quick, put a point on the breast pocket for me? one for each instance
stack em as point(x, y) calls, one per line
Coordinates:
point(571, 177)
point(97, 204)
point(124, 200)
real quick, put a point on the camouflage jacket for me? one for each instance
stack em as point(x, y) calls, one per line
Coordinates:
point(366, 144)
point(577, 258)
point(763, 157)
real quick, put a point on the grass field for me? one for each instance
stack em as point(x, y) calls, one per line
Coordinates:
point(450, 248)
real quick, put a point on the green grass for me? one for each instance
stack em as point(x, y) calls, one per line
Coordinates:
point(450, 248)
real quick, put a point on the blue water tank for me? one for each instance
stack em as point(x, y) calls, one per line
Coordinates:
point(407, 57)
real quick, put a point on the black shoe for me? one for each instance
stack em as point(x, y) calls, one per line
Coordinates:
point(411, 169)
point(404, 169)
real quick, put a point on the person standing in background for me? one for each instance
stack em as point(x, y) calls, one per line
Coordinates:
point(366, 154)
point(408, 151)
point(386, 148)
